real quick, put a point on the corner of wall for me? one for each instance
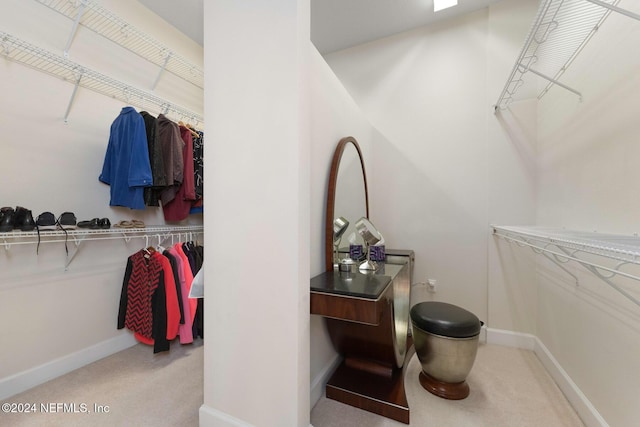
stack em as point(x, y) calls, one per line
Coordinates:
point(579, 401)
point(320, 380)
point(25, 380)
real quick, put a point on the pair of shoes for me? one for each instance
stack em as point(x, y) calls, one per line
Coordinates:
point(16, 219)
point(134, 223)
point(6, 219)
point(67, 221)
point(137, 223)
point(46, 221)
point(95, 223)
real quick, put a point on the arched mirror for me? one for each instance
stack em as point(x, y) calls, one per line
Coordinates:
point(347, 198)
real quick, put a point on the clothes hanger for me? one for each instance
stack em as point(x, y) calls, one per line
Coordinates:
point(159, 247)
point(188, 127)
point(148, 250)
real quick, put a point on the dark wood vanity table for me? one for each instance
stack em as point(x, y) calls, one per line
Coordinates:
point(367, 314)
point(367, 319)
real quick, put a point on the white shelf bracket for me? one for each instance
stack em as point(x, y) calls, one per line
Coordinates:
point(568, 252)
point(73, 96)
point(552, 80)
point(167, 57)
point(77, 240)
point(74, 28)
point(566, 270)
point(595, 270)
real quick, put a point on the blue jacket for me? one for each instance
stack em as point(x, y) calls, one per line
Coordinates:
point(126, 165)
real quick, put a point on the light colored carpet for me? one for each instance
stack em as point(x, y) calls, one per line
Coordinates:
point(139, 388)
point(509, 387)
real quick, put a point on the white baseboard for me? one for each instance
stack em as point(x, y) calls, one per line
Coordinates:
point(210, 417)
point(587, 412)
point(25, 380)
point(583, 407)
point(320, 380)
point(511, 339)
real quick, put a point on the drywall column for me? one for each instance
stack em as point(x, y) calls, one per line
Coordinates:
point(257, 214)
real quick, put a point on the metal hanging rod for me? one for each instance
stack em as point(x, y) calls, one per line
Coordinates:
point(78, 236)
point(93, 16)
point(560, 31)
point(562, 246)
point(40, 59)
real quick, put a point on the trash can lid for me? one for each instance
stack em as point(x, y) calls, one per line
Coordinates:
point(445, 319)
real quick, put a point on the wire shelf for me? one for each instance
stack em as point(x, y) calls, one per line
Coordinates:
point(81, 234)
point(40, 59)
point(91, 15)
point(561, 246)
point(561, 29)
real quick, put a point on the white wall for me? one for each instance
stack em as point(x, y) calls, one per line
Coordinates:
point(257, 363)
point(429, 93)
point(511, 159)
point(334, 115)
point(57, 319)
point(588, 179)
point(455, 168)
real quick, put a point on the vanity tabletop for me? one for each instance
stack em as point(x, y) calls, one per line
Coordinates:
point(357, 284)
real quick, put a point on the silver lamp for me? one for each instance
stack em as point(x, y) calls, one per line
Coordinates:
point(371, 236)
point(340, 225)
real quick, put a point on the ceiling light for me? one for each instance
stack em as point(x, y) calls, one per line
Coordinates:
point(443, 4)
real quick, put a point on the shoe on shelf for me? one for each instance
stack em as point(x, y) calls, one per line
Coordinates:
point(123, 224)
point(104, 223)
point(138, 223)
point(46, 221)
point(92, 224)
point(23, 219)
point(6, 219)
point(67, 221)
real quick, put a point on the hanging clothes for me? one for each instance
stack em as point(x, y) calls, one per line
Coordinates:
point(189, 305)
point(198, 163)
point(197, 252)
point(126, 168)
point(172, 145)
point(174, 268)
point(156, 159)
point(172, 302)
point(178, 208)
point(143, 308)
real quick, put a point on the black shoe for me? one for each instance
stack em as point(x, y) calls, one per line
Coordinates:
point(104, 223)
point(46, 221)
point(6, 219)
point(23, 219)
point(67, 221)
point(93, 224)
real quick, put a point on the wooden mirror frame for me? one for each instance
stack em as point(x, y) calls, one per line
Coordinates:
point(331, 196)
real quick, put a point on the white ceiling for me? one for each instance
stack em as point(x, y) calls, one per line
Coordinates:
point(335, 24)
point(338, 24)
point(187, 17)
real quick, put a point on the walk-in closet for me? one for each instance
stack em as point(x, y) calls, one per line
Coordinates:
point(69, 71)
point(497, 140)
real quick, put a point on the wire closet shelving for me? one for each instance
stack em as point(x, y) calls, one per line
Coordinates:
point(93, 16)
point(40, 59)
point(561, 246)
point(78, 236)
point(560, 31)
